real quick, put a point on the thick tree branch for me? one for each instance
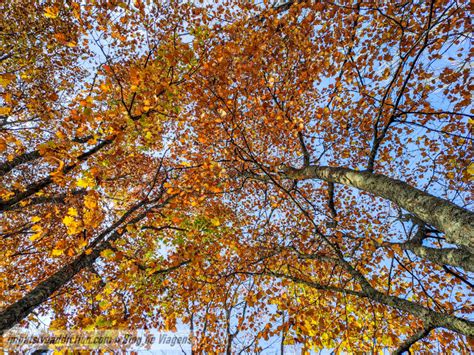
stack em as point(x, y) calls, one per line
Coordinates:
point(456, 222)
point(446, 256)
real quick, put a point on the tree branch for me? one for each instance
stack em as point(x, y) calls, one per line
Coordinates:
point(456, 222)
point(406, 345)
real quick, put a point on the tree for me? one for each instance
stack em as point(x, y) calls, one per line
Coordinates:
point(309, 161)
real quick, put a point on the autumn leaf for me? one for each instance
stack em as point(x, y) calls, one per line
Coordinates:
point(4, 110)
point(250, 168)
point(470, 171)
point(68, 220)
point(73, 224)
point(85, 182)
point(3, 145)
point(57, 252)
point(90, 201)
point(38, 232)
point(6, 79)
point(104, 87)
point(107, 254)
point(72, 212)
point(61, 37)
point(51, 12)
point(216, 222)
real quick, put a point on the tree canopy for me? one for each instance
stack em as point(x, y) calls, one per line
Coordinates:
point(298, 170)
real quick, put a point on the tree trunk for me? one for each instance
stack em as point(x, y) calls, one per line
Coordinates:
point(19, 310)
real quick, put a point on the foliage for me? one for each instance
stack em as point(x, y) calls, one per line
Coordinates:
point(299, 170)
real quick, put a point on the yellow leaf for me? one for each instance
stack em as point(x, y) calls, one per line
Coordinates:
point(35, 219)
point(104, 87)
point(215, 222)
point(72, 212)
point(470, 170)
point(90, 202)
point(82, 243)
point(85, 182)
point(57, 252)
point(35, 236)
point(73, 226)
point(4, 110)
point(51, 12)
point(36, 228)
point(68, 220)
point(109, 288)
point(89, 219)
point(107, 253)
point(5, 79)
